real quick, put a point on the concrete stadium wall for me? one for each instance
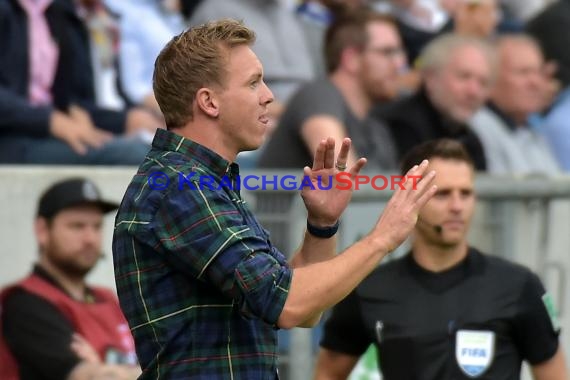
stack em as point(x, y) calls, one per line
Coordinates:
point(529, 229)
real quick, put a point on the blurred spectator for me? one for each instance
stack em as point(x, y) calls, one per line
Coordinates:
point(281, 45)
point(456, 76)
point(477, 18)
point(419, 21)
point(142, 41)
point(550, 28)
point(363, 56)
point(315, 17)
point(47, 93)
point(482, 18)
point(54, 325)
point(103, 32)
point(511, 145)
point(105, 39)
point(555, 126)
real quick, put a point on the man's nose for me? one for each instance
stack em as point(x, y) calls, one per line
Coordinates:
point(456, 202)
point(267, 96)
point(92, 235)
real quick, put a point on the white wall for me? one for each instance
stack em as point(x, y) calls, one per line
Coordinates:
point(21, 187)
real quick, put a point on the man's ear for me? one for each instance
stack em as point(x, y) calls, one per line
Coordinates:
point(207, 102)
point(41, 227)
point(431, 79)
point(351, 59)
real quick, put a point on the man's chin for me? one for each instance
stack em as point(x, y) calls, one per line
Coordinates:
point(386, 96)
point(463, 116)
point(77, 269)
point(249, 148)
point(253, 145)
point(453, 241)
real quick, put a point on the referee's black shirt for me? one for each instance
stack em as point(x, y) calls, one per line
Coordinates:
point(414, 317)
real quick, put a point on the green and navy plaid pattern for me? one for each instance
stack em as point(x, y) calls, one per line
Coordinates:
point(198, 279)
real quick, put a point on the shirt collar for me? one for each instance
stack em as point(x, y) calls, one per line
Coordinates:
point(35, 5)
point(165, 140)
point(509, 122)
point(439, 282)
point(46, 276)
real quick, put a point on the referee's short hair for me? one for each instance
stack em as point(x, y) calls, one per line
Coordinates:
point(446, 149)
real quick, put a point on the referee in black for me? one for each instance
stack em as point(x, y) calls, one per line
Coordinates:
point(446, 311)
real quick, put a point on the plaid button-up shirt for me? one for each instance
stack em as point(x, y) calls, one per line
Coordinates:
point(198, 279)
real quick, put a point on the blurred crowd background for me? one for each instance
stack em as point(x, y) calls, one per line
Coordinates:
point(76, 78)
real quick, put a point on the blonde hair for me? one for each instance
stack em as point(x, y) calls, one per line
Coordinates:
point(192, 60)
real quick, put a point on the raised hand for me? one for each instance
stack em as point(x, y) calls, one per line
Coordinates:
point(324, 201)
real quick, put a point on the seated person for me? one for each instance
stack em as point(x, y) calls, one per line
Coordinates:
point(456, 79)
point(140, 43)
point(363, 55)
point(53, 324)
point(511, 145)
point(549, 28)
point(49, 109)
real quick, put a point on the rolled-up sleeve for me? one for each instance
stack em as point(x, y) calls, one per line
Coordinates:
point(264, 282)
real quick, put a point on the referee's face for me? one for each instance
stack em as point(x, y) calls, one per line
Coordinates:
point(450, 211)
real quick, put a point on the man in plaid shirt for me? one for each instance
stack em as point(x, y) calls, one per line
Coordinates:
point(202, 286)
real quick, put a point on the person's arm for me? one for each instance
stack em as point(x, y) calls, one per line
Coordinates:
point(91, 367)
point(38, 335)
point(333, 365)
point(219, 243)
point(344, 340)
point(20, 117)
point(554, 368)
point(318, 127)
point(90, 371)
point(40, 338)
point(537, 331)
point(318, 286)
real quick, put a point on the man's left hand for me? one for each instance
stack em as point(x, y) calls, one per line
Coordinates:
point(325, 202)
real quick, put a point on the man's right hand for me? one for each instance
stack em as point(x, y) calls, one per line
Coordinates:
point(77, 130)
point(319, 284)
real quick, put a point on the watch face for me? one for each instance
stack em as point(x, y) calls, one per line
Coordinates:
point(114, 356)
point(474, 351)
